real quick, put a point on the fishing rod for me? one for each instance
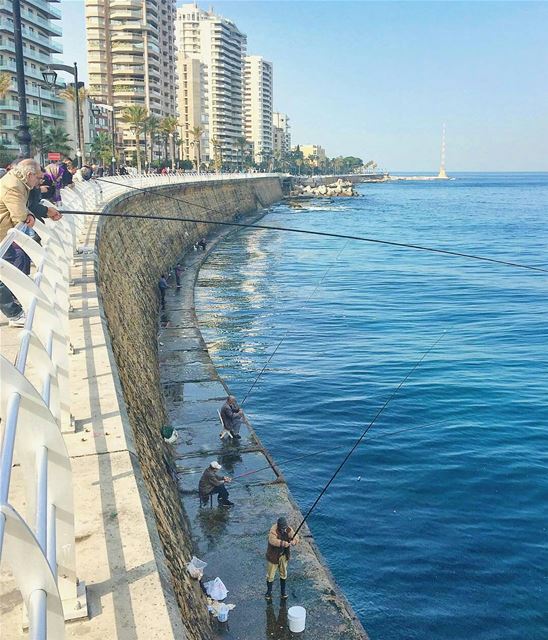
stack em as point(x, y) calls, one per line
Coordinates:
point(362, 436)
point(325, 234)
point(320, 451)
point(287, 330)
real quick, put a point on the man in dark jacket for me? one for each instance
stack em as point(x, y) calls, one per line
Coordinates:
point(281, 538)
point(232, 415)
point(211, 483)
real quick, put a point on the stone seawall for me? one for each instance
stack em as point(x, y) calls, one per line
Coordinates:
point(131, 256)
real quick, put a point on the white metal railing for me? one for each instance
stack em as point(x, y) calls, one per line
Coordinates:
point(39, 548)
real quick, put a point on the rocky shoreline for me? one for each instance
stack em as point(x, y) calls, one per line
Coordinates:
point(340, 188)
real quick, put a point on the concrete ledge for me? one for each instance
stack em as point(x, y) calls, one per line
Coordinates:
point(233, 542)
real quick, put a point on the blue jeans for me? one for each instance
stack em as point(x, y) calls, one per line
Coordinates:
point(9, 305)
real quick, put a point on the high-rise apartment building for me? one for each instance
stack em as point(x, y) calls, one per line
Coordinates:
point(258, 106)
point(220, 48)
point(38, 20)
point(131, 57)
point(281, 136)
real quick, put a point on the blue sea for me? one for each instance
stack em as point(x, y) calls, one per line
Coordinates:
point(437, 527)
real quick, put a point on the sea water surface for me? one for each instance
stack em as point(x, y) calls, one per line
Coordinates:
point(437, 527)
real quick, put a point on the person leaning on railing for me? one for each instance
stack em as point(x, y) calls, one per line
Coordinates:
point(15, 189)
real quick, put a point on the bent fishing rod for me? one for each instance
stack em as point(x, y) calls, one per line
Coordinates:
point(324, 234)
point(365, 431)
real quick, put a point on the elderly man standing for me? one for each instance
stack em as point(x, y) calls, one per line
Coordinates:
point(232, 415)
point(281, 538)
point(15, 187)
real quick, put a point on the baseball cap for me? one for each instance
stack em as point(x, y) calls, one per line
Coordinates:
point(215, 465)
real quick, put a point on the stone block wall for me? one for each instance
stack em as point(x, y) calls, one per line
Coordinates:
point(132, 253)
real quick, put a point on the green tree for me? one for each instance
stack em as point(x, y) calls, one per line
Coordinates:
point(7, 156)
point(136, 117)
point(101, 148)
point(57, 140)
point(152, 127)
point(196, 142)
point(5, 84)
point(217, 154)
point(68, 94)
point(241, 143)
point(38, 136)
point(168, 126)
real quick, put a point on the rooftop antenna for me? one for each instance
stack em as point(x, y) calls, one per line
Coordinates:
point(442, 175)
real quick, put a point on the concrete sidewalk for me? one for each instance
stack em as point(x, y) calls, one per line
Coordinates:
point(233, 541)
point(118, 552)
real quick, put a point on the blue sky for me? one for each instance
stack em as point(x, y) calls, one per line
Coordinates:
point(378, 79)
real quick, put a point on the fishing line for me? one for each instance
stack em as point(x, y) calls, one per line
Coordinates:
point(287, 330)
point(358, 441)
point(319, 452)
point(323, 234)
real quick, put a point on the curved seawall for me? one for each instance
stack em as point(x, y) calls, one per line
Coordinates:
point(131, 256)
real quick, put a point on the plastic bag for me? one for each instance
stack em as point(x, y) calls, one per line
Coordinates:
point(216, 589)
point(196, 567)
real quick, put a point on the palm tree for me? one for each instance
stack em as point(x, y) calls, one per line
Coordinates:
point(101, 148)
point(5, 84)
point(68, 94)
point(153, 125)
point(168, 126)
point(38, 137)
point(196, 133)
point(57, 140)
point(217, 154)
point(241, 143)
point(136, 116)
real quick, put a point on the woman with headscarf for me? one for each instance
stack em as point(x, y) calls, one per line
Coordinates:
point(53, 180)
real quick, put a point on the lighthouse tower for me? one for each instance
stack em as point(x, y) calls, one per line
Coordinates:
point(442, 175)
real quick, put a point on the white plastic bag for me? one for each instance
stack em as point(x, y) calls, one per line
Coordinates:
point(216, 589)
point(196, 567)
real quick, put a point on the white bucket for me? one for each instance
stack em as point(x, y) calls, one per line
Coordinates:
point(296, 616)
point(222, 616)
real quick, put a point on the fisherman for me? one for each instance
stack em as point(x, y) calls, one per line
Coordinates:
point(162, 286)
point(178, 273)
point(281, 538)
point(211, 483)
point(232, 415)
point(201, 244)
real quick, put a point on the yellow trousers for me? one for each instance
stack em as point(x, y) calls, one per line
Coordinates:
point(272, 568)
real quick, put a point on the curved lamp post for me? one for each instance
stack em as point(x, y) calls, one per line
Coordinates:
point(50, 77)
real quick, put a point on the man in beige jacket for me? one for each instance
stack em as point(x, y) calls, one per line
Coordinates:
point(15, 187)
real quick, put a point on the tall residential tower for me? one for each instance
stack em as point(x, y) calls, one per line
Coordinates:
point(131, 57)
point(216, 83)
point(258, 106)
point(38, 20)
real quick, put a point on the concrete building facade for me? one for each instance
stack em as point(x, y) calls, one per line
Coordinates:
point(219, 46)
point(281, 135)
point(39, 29)
point(131, 57)
point(313, 151)
point(258, 106)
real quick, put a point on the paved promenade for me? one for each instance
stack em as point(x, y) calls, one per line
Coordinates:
point(118, 553)
point(233, 541)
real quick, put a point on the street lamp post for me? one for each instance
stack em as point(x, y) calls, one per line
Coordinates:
point(23, 134)
point(51, 77)
point(41, 125)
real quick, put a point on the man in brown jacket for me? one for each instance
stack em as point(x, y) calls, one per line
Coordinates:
point(15, 187)
point(211, 483)
point(281, 538)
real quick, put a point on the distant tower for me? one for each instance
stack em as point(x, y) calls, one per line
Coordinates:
point(442, 175)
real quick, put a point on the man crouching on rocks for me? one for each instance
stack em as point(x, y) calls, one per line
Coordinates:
point(281, 538)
